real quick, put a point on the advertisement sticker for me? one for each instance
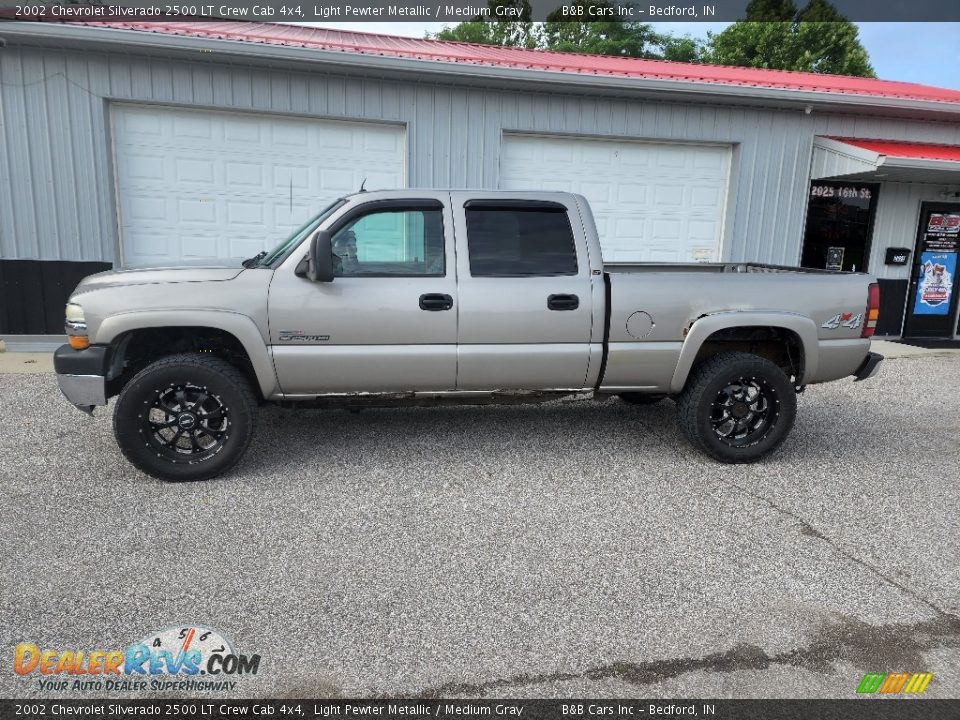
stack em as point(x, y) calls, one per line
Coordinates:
point(935, 283)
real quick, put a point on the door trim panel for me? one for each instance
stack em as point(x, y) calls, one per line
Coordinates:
point(313, 370)
point(521, 367)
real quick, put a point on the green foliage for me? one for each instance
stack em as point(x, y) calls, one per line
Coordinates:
point(774, 34)
point(815, 39)
point(820, 11)
point(604, 36)
point(681, 49)
point(752, 44)
point(492, 30)
point(771, 10)
point(832, 48)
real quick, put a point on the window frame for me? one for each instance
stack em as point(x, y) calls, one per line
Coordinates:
point(875, 189)
point(394, 205)
point(521, 205)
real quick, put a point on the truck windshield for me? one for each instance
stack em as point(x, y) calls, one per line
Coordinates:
point(291, 242)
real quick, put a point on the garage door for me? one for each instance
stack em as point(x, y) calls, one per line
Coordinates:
point(653, 202)
point(199, 185)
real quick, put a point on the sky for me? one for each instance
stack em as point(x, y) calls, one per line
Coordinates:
point(913, 52)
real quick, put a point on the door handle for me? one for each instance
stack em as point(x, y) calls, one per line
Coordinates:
point(435, 302)
point(563, 302)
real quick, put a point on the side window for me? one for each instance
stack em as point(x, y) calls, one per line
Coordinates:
point(520, 242)
point(391, 242)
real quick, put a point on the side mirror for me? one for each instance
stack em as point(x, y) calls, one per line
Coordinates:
point(318, 265)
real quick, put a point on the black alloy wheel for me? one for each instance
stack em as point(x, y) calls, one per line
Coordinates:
point(744, 412)
point(737, 407)
point(185, 423)
point(186, 417)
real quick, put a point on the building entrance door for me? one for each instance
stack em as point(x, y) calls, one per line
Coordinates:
point(932, 293)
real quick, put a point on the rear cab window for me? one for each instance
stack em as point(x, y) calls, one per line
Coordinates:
point(519, 239)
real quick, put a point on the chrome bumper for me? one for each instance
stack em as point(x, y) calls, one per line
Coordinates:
point(84, 391)
point(869, 367)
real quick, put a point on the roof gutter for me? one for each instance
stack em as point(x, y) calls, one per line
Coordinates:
point(889, 161)
point(65, 34)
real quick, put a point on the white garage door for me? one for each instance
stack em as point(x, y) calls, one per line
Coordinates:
point(653, 202)
point(196, 185)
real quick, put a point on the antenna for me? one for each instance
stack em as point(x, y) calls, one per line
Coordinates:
point(361, 185)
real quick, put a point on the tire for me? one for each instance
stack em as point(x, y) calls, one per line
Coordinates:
point(185, 417)
point(737, 407)
point(635, 398)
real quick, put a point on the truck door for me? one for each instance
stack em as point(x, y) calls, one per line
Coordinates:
point(524, 291)
point(388, 320)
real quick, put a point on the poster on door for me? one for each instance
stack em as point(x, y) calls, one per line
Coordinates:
point(935, 283)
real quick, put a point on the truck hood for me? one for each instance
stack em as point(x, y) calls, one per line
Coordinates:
point(151, 276)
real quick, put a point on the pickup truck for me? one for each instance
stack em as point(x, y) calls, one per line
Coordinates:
point(426, 296)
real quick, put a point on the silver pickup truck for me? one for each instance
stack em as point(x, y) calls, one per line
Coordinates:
point(426, 296)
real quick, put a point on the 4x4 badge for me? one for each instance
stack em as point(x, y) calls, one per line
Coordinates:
point(847, 320)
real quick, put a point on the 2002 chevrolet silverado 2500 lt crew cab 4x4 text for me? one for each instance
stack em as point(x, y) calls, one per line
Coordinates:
point(430, 296)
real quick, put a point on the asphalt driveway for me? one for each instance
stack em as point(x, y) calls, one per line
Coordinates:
point(571, 549)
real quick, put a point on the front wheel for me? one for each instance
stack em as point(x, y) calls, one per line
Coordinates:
point(737, 407)
point(185, 417)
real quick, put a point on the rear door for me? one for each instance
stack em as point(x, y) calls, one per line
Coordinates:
point(524, 291)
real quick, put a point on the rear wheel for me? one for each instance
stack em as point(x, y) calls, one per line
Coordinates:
point(635, 398)
point(185, 417)
point(737, 407)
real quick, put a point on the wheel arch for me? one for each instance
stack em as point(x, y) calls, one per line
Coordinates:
point(120, 330)
point(764, 332)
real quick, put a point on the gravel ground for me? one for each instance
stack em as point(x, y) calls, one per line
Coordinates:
point(571, 549)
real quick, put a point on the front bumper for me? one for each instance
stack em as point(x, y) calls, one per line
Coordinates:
point(869, 367)
point(82, 375)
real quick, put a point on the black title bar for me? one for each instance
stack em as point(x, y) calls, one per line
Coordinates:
point(454, 11)
point(872, 708)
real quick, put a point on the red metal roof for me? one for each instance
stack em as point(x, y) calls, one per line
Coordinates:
point(537, 60)
point(906, 149)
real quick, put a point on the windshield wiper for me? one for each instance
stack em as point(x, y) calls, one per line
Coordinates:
point(255, 260)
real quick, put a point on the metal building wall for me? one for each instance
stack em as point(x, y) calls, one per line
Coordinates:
point(56, 177)
point(898, 214)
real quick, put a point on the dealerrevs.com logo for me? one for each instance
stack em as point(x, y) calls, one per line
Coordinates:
point(893, 683)
point(181, 658)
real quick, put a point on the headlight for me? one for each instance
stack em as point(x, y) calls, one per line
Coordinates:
point(75, 313)
point(76, 327)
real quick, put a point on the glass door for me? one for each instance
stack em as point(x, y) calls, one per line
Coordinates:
point(932, 294)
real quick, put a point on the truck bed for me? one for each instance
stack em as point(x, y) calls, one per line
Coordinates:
point(741, 267)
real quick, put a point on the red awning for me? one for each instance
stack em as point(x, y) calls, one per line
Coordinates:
point(878, 160)
point(892, 148)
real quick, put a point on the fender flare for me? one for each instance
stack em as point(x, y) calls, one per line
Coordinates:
point(707, 325)
point(238, 325)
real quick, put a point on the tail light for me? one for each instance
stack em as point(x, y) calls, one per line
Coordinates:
point(873, 310)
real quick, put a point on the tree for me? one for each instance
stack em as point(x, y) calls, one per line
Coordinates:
point(829, 43)
point(681, 49)
point(491, 30)
point(752, 44)
point(599, 32)
point(771, 10)
point(775, 35)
